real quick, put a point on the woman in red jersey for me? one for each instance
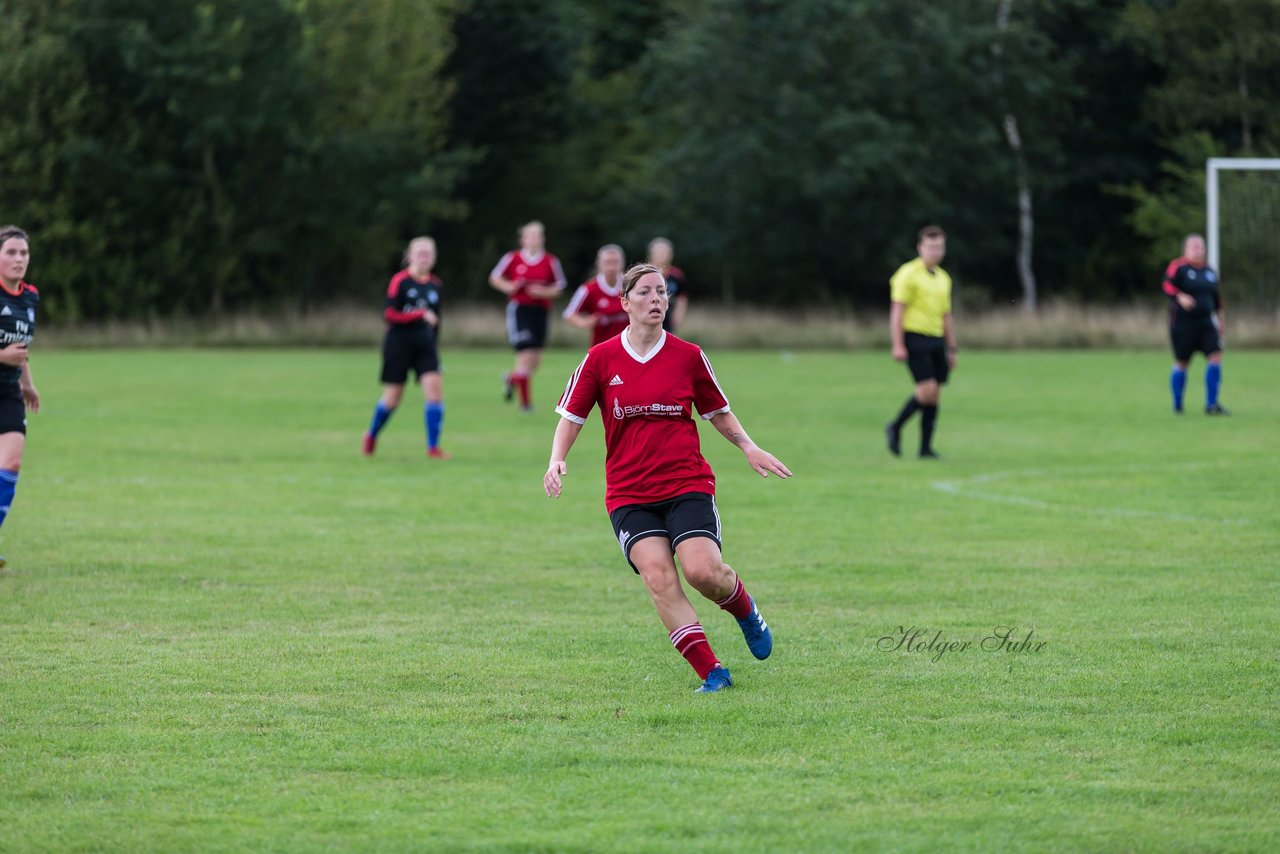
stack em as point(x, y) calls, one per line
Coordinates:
point(530, 277)
point(18, 303)
point(659, 491)
point(597, 303)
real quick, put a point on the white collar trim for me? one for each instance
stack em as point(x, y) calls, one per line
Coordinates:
point(626, 345)
point(611, 290)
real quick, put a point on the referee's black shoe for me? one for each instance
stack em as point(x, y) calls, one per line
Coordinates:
point(893, 436)
point(929, 454)
point(1216, 409)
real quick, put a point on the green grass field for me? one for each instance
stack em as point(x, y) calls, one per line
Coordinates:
point(224, 629)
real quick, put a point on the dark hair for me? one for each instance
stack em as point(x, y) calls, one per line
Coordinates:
point(9, 232)
point(931, 231)
point(635, 274)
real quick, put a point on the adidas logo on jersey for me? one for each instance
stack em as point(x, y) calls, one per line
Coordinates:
point(5, 311)
point(617, 380)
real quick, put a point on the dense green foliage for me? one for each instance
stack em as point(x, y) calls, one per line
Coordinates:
point(192, 155)
point(225, 630)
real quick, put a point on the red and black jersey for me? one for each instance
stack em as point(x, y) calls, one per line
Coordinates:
point(17, 326)
point(597, 298)
point(1200, 282)
point(675, 282)
point(647, 402)
point(541, 269)
point(408, 300)
point(675, 285)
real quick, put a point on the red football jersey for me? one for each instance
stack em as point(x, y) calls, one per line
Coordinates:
point(541, 269)
point(598, 299)
point(646, 403)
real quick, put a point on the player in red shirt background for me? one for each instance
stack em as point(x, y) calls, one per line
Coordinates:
point(597, 303)
point(530, 277)
point(659, 490)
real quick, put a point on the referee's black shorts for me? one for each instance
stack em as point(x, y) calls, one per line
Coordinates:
point(927, 357)
point(1191, 338)
point(690, 514)
point(405, 349)
point(526, 326)
point(13, 414)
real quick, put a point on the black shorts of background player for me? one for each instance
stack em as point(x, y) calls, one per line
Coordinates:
point(923, 336)
point(412, 312)
point(18, 303)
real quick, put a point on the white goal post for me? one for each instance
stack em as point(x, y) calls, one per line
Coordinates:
point(1213, 166)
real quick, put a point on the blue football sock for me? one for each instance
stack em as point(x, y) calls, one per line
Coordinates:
point(433, 415)
point(1212, 379)
point(1178, 381)
point(381, 413)
point(8, 484)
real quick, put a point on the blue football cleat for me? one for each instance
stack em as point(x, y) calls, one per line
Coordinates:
point(756, 631)
point(718, 678)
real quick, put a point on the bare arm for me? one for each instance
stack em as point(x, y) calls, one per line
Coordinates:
point(506, 286)
point(582, 321)
point(679, 309)
point(949, 333)
point(542, 291)
point(566, 434)
point(30, 396)
point(758, 458)
point(896, 310)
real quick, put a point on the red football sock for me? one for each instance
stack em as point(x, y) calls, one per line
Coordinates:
point(737, 603)
point(521, 382)
point(691, 642)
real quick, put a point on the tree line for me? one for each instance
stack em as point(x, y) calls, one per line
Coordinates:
point(195, 156)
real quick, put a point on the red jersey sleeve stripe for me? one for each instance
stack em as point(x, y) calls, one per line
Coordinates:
point(394, 316)
point(393, 288)
point(1169, 272)
point(558, 271)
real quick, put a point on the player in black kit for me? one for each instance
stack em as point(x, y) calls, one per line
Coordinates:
point(1195, 322)
point(412, 313)
point(18, 303)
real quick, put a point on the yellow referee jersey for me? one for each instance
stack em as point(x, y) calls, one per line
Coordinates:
point(926, 295)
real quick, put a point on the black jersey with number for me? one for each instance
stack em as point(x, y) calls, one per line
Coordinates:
point(17, 326)
point(408, 299)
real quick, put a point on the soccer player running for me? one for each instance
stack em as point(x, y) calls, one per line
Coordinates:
point(597, 304)
point(923, 336)
point(412, 312)
point(18, 303)
point(530, 277)
point(659, 491)
point(1195, 322)
point(661, 254)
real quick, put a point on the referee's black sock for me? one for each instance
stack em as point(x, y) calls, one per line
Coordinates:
point(908, 409)
point(928, 418)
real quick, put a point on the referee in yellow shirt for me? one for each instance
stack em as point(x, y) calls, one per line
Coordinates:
point(923, 336)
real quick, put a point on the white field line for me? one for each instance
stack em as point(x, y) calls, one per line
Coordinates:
point(974, 487)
